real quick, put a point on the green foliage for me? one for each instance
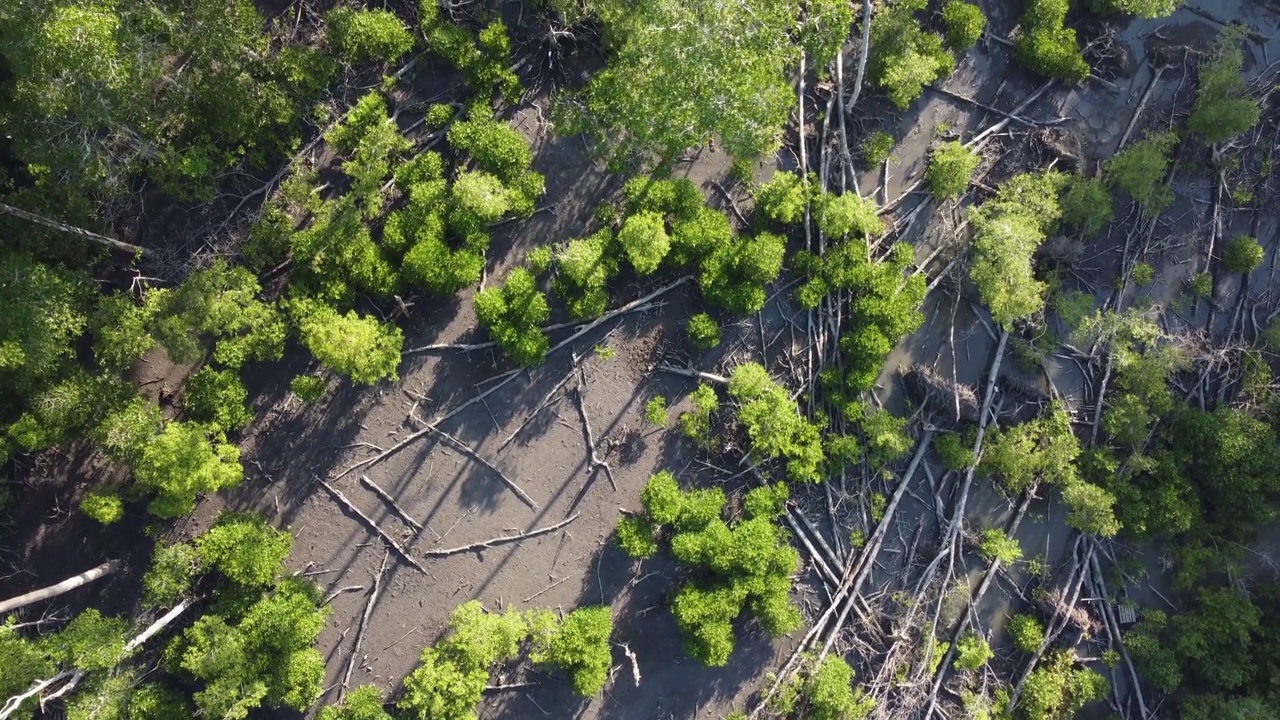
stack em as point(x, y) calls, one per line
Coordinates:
point(539, 260)
point(841, 215)
point(154, 701)
point(182, 462)
point(885, 434)
point(173, 567)
point(734, 275)
point(682, 72)
point(244, 549)
point(1202, 285)
point(363, 703)
point(965, 23)
point(1140, 171)
point(972, 652)
point(1056, 690)
point(877, 147)
point(265, 658)
point(775, 425)
point(308, 388)
point(703, 331)
point(1026, 632)
point(579, 645)
point(1148, 9)
point(783, 199)
point(358, 347)
point(1007, 231)
point(1243, 255)
point(451, 676)
point(1223, 106)
point(484, 59)
point(696, 423)
point(1046, 46)
point(514, 315)
point(644, 238)
point(1086, 206)
point(219, 302)
point(103, 505)
point(655, 412)
point(995, 545)
point(904, 57)
point(635, 537)
point(66, 409)
point(45, 312)
point(495, 146)
point(747, 567)
point(830, 695)
point(585, 266)
point(956, 454)
point(24, 663)
point(1143, 274)
point(365, 35)
point(90, 642)
point(218, 398)
point(695, 237)
point(951, 167)
point(439, 115)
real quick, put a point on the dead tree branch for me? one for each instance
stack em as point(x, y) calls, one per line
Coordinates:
point(391, 503)
point(593, 458)
point(463, 447)
point(364, 626)
point(65, 586)
point(72, 230)
point(487, 544)
point(342, 500)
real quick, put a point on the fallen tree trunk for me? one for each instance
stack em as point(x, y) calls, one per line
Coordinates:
point(65, 586)
point(73, 230)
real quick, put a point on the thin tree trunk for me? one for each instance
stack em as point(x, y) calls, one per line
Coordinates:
point(72, 230)
point(65, 586)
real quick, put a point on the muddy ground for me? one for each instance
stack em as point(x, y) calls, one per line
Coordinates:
point(460, 501)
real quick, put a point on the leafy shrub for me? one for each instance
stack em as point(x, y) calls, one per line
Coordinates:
point(103, 505)
point(1055, 689)
point(363, 703)
point(219, 302)
point(877, 148)
point(955, 453)
point(476, 201)
point(1026, 632)
point(496, 147)
point(127, 430)
point(308, 388)
point(425, 167)
point(696, 237)
point(438, 115)
point(635, 537)
point(703, 331)
point(1244, 255)
point(450, 677)
point(655, 412)
point(1008, 230)
point(1046, 46)
point(244, 549)
point(830, 694)
point(972, 652)
point(996, 545)
point(154, 701)
point(120, 332)
point(265, 658)
point(579, 644)
point(1202, 285)
point(775, 425)
point(173, 567)
point(182, 462)
point(1223, 106)
point(364, 35)
point(585, 266)
point(514, 315)
point(1086, 206)
point(1147, 9)
point(749, 568)
point(783, 199)
point(1043, 449)
point(840, 215)
point(1140, 171)
point(696, 423)
point(904, 57)
point(734, 275)
point(644, 238)
point(951, 167)
point(885, 434)
point(90, 642)
point(484, 59)
point(218, 398)
point(358, 347)
point(539, 259)
point(965, 23)
point(66, 409)
point(679, 197)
